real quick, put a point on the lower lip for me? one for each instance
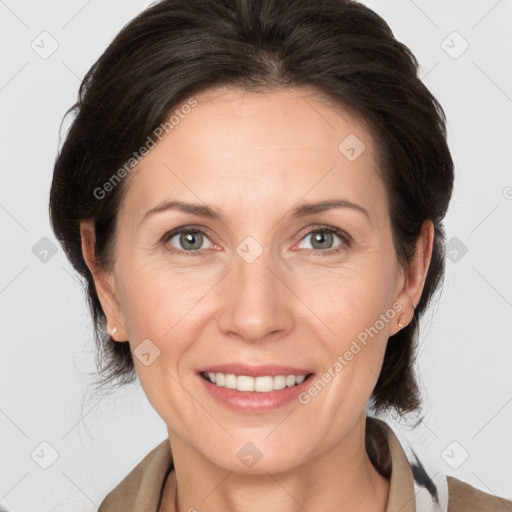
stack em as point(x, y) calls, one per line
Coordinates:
point(254, 401)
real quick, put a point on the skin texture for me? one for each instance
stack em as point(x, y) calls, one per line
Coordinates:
point(255, 157)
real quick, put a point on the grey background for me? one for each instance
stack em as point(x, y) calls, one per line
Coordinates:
point(46, 346)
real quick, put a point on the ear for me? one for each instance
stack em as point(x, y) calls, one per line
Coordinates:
point(415, 275)
point(104, 283)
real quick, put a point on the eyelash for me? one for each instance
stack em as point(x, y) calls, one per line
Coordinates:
point(346, 241)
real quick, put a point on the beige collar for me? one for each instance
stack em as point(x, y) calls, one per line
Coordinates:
point(142, 489)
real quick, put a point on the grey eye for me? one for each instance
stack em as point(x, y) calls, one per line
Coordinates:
point(188, 240)
point(321, 239)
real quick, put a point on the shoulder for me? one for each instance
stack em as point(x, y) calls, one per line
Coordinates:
point(142, 487)
point(463, 497)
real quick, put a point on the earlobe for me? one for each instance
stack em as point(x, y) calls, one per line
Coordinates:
point(105, 289)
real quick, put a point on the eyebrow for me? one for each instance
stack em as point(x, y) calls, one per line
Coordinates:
point(213, 213)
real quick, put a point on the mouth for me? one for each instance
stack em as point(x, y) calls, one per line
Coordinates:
point(254, 389)
point(258, 384)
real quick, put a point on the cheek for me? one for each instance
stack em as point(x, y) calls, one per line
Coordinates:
point(162, 307)
point(154, 299)
point(169, 309)
point(348, 300)
point(354, 307)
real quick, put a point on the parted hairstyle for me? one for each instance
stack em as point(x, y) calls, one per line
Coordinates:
point(178, 48)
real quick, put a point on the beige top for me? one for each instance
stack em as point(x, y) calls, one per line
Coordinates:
point(142, 489)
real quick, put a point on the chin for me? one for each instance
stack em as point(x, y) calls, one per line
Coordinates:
point(249, 460)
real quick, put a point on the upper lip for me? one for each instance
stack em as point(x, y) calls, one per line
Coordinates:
point(254, 371)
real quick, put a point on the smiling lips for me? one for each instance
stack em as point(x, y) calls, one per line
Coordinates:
point(270, 389)
point(261, 379)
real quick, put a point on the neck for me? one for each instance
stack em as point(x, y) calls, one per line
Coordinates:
point(341, 479)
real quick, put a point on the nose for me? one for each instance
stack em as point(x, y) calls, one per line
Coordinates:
point(256, 302)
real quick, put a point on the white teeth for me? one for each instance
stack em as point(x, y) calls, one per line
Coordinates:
point(264, 384)
point(230, 381)
point(219, 379)
point(279, 382)
point(290, 380)
point(261, 384)
point(244, 383)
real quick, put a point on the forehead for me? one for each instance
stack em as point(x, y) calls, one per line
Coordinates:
point(278, 145)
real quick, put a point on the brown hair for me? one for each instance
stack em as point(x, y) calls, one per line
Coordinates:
point(177, 48)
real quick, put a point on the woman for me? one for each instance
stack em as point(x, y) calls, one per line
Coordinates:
point(257, 132)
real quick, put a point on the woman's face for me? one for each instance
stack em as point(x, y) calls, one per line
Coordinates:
point(261, 282)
